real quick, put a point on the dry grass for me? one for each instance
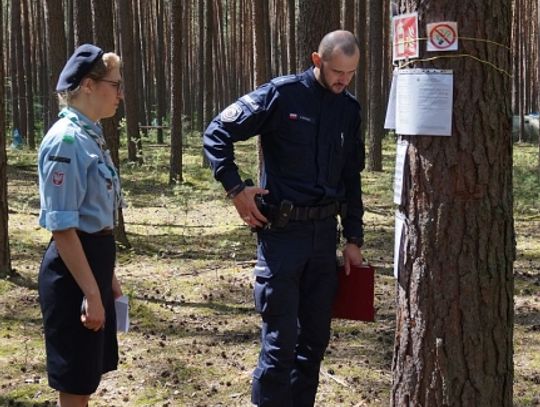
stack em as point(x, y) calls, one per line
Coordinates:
point(194, 338)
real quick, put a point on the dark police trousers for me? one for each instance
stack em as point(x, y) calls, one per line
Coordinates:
point(296, 280)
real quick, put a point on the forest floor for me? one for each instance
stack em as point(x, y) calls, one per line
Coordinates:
point(194, 335)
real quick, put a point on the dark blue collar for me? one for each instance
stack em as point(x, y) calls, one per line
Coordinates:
point(309, 77)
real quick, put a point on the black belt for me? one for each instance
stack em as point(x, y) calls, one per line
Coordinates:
point(102, 232)
point(303, 213)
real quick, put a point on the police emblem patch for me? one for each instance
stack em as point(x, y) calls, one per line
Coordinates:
point(231, 113)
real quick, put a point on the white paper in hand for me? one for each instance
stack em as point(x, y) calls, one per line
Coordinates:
point(122, 313)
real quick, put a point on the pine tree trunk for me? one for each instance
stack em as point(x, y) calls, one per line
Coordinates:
point(56, 49)
point(455, 289)
point(5, 259)
point(376, 113)
point(292, 36)
point(201, 124)
point(45, 88)
point(82, 22)
point(160, 72)
point(125, 19)
point(175, 175)
point(348, 11)
point(259, 49)
point(208, 64)
point(538, 77)
point(70, 22)
point(361, 73)
point(104, 38)
point(28, 73)
point(317, 18)
point(17, 55)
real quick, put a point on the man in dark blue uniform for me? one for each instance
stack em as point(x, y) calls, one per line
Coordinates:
point(313, 154)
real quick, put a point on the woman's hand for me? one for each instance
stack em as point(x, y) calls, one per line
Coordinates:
point(116, 288)
point(93, 316)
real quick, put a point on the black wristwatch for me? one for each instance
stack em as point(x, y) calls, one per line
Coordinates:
point(355, 240)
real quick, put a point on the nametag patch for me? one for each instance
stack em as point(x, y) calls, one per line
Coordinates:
point(59, 159)
point(231, 113)
point(296, 116)
point(58, 178)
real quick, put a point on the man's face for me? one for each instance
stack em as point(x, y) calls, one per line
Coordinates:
point(337, 72)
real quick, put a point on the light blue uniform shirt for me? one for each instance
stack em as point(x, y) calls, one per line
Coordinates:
point(78, 184)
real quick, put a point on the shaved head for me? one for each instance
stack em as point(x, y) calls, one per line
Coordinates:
point(341, 40)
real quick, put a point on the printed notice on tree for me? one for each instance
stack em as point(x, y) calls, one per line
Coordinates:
point(398, 237)
point(401, 154)
point(424, 102)
point(390, 119)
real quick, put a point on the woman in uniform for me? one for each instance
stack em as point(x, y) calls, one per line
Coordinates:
point(79, 195)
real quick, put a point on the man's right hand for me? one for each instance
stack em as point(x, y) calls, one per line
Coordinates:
point(247, 208)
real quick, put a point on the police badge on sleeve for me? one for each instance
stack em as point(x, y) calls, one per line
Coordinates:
point(231, 113)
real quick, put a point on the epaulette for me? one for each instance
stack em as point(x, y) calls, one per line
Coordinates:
point(285, 80)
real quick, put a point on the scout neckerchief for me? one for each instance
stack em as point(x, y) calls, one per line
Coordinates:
point(106, 154)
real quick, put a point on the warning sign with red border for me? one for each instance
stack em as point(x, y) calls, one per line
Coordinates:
point(442, 36)
point(405, 37)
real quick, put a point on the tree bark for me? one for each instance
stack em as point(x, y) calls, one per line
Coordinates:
point(14, 83)
point(292, 36)
point(56, 48)
point(28, 74)
point(5, 258)
point(103, 28)
point(175, 174)
point(82, 22)
point(376, 113)
point(17, 55)
point(348, 15)
point(45, 85)
point(360, 81)
point(454, 320)
point(70, 22)
point(262, 73)
point(208, 64)
point(317, 18)
point(160, 71)
point(201, 124)
point(125, 18)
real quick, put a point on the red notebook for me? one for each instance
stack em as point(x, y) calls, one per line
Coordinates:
point(355, 296)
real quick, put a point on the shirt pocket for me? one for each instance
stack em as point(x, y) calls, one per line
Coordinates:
point(296, 148)
point(336, 158)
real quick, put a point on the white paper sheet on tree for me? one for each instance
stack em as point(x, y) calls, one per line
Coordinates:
point(401, 154)
point(424, 102)
point(390, 119)
point(398, 234)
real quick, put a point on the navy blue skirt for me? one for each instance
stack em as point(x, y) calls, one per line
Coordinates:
point(77, 356)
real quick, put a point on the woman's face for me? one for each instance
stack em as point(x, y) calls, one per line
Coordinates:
point(109, 91)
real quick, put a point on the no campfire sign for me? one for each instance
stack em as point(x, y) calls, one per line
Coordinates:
point(405, 37)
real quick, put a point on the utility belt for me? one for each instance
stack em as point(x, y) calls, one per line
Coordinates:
point(280, 216)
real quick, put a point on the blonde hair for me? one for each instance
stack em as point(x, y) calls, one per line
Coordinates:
point(101, 68)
